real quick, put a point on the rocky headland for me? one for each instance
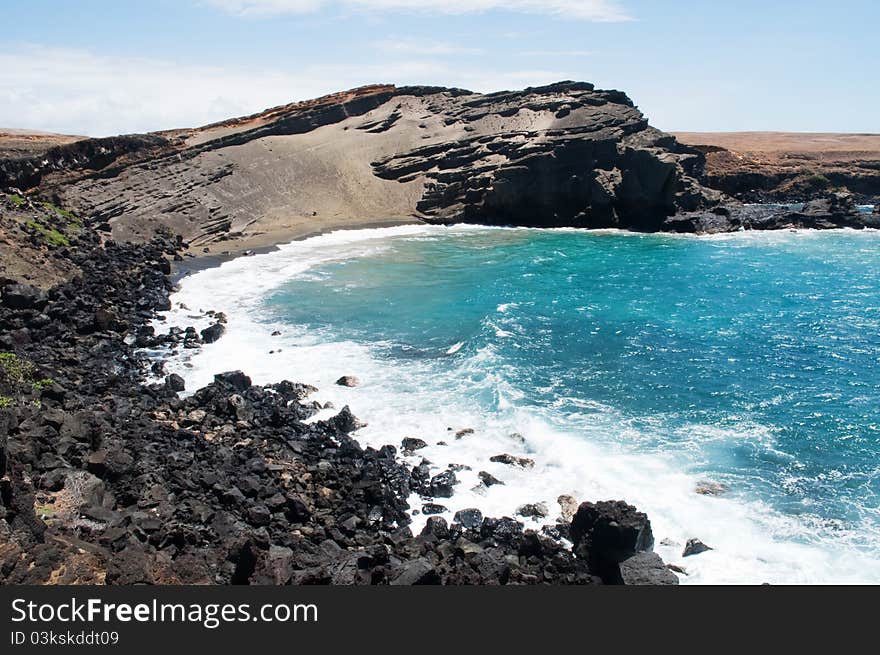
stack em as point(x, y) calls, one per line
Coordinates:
point(566, 154)
point(107, 479)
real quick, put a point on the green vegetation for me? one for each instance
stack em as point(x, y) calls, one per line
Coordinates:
point(17, 200)
point(45, 511)
point(74, 221)
point(16, 370)
point(52, 236)
point(20, 376)
point(39, 385)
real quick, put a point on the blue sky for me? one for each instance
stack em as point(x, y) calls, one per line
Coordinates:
point(102, 67)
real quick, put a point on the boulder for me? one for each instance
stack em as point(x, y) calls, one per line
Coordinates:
point(609, 532)
point(469, 518)
point(488, 479)
point(442, 485)
point(429, 509)
point(569, 507)
point(709, 488)
point(175, 383)
point(510, 460)
point(416, 572)
point(24, 296)
point(234, 380)
point(348, 381)
point(411, 444)
point(646, 569)
point(694, 547)
point(533, 510)
point(213, 333)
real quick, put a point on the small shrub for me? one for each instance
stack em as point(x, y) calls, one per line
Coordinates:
point(17, 200)
point(6, 402)
point(39, 385)
point(16, 370)
point(816, 181)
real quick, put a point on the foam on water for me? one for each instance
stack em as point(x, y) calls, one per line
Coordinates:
point(581, 446)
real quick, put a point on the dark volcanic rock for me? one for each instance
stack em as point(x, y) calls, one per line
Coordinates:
point(836, 210)
point(694, 547)
point(411, 444)
point(175, 383)
point(213, 333)
point(609, 532)
point(646, 569)
point(23, 296)
point(469, 518)
point(598, 164)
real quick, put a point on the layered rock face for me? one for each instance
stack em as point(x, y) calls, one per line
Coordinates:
point(565, 154)
point(586, 158)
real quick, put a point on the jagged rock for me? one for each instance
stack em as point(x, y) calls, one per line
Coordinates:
point(175, 383)
point(469, 518)
point(443, 484)
point(569, 507)
point(348, 381)
point(609, 532)
point(417, 572)
point(488, 479)
point(694, 547)
point(510, 460)
point(411, 444)
point(233, 379)
point(533, 510)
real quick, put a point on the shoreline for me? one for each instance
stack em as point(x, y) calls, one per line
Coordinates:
point(257, 244)
point(213, 285)
point(113, 480)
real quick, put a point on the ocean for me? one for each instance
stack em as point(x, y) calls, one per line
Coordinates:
point(627, 366)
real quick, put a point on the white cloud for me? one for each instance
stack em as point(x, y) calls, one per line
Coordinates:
point(592, 10)
point(77, 92)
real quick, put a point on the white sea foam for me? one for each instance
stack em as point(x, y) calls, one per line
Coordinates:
point(593, 455)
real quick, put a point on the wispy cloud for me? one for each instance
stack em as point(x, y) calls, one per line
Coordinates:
point(424, 48)
point(590, 10)
point(556, 53)
point(78, 92)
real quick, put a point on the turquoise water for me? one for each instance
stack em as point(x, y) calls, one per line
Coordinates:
point(754, 359)
point(634, 367)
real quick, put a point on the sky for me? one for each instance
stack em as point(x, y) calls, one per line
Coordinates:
point(102, 67)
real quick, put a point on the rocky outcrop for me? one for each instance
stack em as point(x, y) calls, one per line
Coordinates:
point(86, 156)
point(563, 154)
point(836, 210)
point(594, 162)
point(760, 167)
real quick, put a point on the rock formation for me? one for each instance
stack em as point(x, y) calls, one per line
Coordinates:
point(564, 154)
